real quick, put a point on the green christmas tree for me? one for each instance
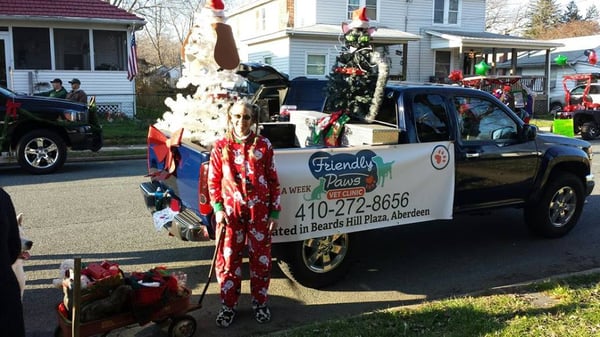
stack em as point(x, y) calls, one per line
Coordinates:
point(357, 79)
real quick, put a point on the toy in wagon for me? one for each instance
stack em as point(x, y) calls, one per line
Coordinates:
point(109, 298)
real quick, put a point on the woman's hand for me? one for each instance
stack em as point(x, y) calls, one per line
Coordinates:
point(221, 218)
point(272, 224)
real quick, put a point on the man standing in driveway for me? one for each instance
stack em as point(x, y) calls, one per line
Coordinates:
point(76, 94)
point(58, 91)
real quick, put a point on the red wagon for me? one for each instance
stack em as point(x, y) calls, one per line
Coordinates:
point(175, 310)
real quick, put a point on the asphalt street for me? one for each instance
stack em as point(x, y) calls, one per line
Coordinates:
point(95, 210)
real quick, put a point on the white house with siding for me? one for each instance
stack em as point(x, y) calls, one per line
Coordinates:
point(86, 39)
point(425, 39)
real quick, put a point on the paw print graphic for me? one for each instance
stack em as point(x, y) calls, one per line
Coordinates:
point(440, 157)
point(370, 183)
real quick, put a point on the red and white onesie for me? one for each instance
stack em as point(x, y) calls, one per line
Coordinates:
point(243, 182)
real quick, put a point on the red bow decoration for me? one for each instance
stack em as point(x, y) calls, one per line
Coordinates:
point(12, 108)
point(163, 147)
point(455, 76)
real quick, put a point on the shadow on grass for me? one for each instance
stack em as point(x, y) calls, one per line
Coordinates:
point(518, 313)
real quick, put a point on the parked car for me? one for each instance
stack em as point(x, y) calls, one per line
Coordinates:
point(37, 131)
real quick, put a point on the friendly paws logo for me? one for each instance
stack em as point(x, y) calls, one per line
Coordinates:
point(345, 175)
point(440, 157)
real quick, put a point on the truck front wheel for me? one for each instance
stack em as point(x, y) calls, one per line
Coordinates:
point(590, 130)
point(559, 208)
point(41, 152)
point(318, 262)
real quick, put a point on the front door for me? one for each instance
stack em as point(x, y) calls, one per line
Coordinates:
point(4, 57)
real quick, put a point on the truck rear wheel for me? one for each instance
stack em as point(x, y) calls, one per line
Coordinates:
point(559, 208)
point(41, 152)
point(316, 263)
point(590, 130)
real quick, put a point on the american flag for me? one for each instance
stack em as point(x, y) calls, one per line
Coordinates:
point(132, 68)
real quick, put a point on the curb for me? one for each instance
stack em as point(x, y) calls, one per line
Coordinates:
point(107, 153)
point(71, 159)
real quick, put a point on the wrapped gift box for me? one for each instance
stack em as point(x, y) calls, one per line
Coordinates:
point(305, 122)
point(369, 134)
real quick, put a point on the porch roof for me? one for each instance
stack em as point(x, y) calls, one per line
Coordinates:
point(446, 39)
point(574, 48)
point(382, 36)
point(67, 10)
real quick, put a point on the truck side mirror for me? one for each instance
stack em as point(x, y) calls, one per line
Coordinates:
point(528, 132)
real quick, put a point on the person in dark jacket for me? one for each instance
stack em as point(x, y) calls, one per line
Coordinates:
point(11, 310)
point(58, 91)
point(76, 94)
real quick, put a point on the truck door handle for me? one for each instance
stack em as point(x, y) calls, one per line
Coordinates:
point(472, 154)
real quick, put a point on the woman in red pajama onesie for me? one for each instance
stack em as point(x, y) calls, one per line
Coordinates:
point(244, 192)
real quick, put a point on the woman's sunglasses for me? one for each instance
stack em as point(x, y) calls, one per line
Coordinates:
point(245, 117)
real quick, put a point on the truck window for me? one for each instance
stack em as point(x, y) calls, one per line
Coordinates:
point(388, 112)
point(431, 118)
point(480, 119)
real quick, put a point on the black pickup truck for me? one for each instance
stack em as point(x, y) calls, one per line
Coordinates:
point(461, 145)
point(36, 131)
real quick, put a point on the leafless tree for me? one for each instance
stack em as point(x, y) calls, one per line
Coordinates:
point(168, 22)
point(504, 19)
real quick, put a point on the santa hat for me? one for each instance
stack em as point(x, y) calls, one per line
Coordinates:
point(217, 7)
point(359, 18)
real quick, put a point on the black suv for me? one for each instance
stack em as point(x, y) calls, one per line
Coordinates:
point(38, 130)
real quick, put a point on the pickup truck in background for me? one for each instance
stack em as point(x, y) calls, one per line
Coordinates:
point(37, 131)
point(583, 104)
point(432, 151)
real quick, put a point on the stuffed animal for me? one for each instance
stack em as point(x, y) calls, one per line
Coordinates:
point(66, 278)
point(66, 274)
point(117, 302)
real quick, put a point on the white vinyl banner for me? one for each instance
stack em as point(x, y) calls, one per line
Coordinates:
point(339, 190)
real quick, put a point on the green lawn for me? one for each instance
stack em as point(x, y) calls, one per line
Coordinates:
point(125, 131)
point(567, 307)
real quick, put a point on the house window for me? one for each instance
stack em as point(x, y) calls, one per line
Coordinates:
point(261, 20)
point(315, 64)
point(110, 50)
point(268, 60)
point(446, 11)
point(31, 48)
point(442, 65)
point(356, 4)
point(72, 49)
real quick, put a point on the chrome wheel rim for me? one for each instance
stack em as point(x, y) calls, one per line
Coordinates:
point(562, 206)
point(41, 153)
point(323, 254)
